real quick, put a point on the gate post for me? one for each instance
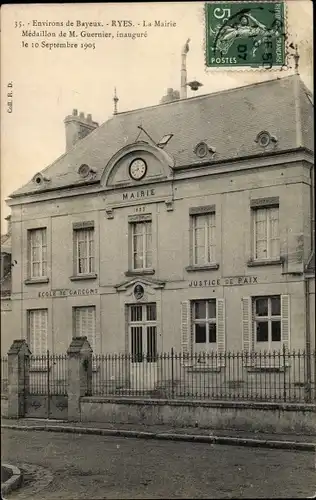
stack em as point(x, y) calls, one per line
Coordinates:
point(18, 377)
point(79, 375)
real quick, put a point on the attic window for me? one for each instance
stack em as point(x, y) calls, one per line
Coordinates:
point(84, 170)
point(39, 179)
point(202, 149)
point(164, 141)
point(264, 138)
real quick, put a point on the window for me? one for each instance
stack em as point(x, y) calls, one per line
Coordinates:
point(38, 252)
point(266, 233)
point(203, 332)
point(204, 322)
point(267, 322)
point(37, 331)
point(84, 325)
point(141, 245)
point(203, 238)
point(84, 250)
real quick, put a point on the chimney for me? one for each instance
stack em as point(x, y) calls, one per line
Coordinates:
point(9, 224)
point(78, 127)
point(170, 96)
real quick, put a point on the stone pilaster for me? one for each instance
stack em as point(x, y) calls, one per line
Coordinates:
point(18, 377)
point(79, 375)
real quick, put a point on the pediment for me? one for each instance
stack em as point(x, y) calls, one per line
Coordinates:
point(159, 165)
point(147, 283)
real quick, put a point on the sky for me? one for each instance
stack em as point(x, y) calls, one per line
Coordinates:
point(48, 84)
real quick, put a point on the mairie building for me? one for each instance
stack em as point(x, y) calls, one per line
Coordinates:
point(186, 225)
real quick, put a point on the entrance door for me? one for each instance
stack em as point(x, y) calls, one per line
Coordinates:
point(143, 346)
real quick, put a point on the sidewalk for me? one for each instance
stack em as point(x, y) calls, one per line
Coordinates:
point(216, 436)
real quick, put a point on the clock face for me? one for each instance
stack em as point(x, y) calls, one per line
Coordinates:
point(137, 169)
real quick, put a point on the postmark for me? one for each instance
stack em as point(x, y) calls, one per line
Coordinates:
point(245, 34)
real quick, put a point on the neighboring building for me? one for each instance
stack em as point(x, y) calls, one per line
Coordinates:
point(7, 325)
point(198, 242)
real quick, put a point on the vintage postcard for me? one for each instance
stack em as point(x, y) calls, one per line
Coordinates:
point(158, 250)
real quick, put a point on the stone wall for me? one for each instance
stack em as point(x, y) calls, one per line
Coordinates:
point(243, 416)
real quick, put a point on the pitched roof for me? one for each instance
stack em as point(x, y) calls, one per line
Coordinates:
point(228, 120)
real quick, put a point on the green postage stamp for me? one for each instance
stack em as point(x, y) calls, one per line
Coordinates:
point(245, 34)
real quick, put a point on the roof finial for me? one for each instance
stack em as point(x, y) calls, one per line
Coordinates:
point(115, 99)
point(185, 50)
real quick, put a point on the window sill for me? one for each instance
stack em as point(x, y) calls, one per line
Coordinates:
point(272, 262)
point(206, 267)
point(35, 281)
point(139, 272)
point(78, 277)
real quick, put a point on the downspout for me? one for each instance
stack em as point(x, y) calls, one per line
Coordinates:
point(299, 143)
point(307, 298)
point(308, 382)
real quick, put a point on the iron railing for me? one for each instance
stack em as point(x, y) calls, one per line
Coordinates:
point(258, 376)
point(48, 374)
point(4, 375)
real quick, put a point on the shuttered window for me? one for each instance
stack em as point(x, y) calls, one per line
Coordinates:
point(266, 233)
point(37, 331)
point(84, 251)
point(266, 323)
point(85, 325)
point(37, 244)
point(203, 328)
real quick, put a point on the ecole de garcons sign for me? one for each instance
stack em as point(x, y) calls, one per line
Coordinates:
point(231, 281)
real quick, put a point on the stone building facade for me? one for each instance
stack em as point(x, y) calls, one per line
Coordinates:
point(186, 225)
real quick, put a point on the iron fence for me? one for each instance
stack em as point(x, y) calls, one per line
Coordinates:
point(258, 376)
point(48, 374)
point(4, 375)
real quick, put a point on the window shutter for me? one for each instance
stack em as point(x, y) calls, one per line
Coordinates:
point(247, 329)
point(285, 321)
point(90, 325)
point(220, 327)
point(37, 334)
point(185, 331)
point(85, 325)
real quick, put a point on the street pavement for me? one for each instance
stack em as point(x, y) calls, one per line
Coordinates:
point(75, 466)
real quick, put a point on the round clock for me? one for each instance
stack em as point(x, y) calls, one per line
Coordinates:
point(137, 169)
